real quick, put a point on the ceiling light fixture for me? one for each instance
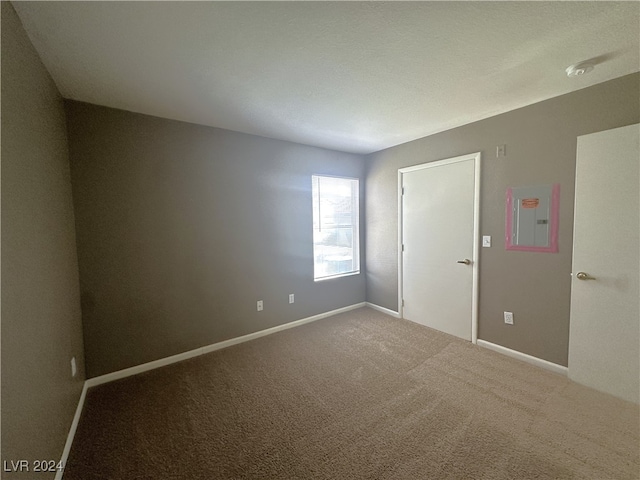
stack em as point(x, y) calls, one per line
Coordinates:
point(579, 69)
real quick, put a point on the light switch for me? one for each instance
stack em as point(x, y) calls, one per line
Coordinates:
point(486, 240)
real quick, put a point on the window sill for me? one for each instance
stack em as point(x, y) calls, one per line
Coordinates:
point(332, 277)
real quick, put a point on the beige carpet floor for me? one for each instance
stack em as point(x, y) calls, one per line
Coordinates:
point(357, 396)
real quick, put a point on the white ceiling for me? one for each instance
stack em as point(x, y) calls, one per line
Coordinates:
point(352, 76)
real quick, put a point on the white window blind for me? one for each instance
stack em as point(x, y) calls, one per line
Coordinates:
point(336, 238)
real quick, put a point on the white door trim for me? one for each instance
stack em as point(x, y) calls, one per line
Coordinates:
point(477, 158)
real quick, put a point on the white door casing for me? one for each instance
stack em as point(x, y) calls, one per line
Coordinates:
point(604, 333)
point(438, 226)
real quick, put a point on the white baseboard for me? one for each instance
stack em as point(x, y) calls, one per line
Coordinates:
point(383, 310)
point(127, 372)
point(538, 362)
point(72, 432)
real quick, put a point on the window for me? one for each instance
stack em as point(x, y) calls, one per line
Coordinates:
point(336, 238)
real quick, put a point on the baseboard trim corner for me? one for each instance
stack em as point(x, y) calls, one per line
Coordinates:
point(72, 432)
point(145, 367)
point(538, 362)
point(383, 310)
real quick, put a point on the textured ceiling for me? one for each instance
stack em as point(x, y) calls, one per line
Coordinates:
point(351, 76)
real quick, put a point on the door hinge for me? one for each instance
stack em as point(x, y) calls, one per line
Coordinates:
point(403, 302)
point(403, 247)
point(402, 190)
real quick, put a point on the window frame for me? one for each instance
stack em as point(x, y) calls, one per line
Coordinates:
point(355, 226)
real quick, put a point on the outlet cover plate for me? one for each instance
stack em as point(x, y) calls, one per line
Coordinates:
point(508, 318)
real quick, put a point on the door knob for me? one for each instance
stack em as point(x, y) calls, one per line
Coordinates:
point(584, 276)
point(466, 261)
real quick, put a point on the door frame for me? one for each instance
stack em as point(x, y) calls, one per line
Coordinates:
point(477, 159)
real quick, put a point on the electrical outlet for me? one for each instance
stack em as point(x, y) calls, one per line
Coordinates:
point(260, 305)
point(291, 298)
point(508, 318)
point(74, 367)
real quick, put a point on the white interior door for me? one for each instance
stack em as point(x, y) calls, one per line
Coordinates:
point(439, 243)
point(604, 334)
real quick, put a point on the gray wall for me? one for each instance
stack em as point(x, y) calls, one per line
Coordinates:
point(41, 322)
point(541, 149)
point(182, 228)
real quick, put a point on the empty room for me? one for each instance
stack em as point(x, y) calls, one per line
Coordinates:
point(320, 240)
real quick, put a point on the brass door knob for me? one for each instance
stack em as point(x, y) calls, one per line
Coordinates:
point(466, 261)
point(584, 276)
